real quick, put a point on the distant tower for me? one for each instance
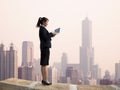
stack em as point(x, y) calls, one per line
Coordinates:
point(26, 72)
point(13, 63)
point(8, 63)
point(117, 72)
point(27, 53)
point(96, 73)
point(64, 63)
point(2, 62)
point(107, 75)
point(52, 72)
point(72, 75)
point(86, 51)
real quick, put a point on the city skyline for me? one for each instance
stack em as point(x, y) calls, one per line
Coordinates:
point(18, 19)
point(61, 72)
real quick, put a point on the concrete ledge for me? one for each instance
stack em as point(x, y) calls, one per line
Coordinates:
point(19, 84)
point(97, 87)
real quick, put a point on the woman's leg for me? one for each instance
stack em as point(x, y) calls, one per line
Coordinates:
point(44, 70)
point(46, 73)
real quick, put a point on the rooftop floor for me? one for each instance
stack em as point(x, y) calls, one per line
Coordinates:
point(19, 84)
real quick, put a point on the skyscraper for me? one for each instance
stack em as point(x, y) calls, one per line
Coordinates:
point(86, 51)
point(26, 70)
point(12, 61)
point(64, 63)
point(2, 62)
point(8, 63)
point(96, 73)
point(72, 75)
point(107, 75)
point(36, 68)
point(117, 72)
point(27, 53)
point(52, 74)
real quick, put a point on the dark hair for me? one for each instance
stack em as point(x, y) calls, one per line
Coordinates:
point(41, 20)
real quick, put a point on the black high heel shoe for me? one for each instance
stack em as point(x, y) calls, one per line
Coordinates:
point(46, 83)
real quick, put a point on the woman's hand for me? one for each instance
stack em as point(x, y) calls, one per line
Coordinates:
point(54, 34)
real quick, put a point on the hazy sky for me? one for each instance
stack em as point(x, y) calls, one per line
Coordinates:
point(18, 19)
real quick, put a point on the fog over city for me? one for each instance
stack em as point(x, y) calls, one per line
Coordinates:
point(18, 19)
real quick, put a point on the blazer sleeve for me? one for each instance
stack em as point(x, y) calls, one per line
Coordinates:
point(51, 34)
point(45, 34)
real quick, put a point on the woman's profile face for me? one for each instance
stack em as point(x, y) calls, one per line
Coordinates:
point(45, 23)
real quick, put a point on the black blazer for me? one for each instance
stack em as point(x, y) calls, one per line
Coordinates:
point(45, 37)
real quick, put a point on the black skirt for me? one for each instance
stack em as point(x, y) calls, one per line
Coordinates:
point(45, 53)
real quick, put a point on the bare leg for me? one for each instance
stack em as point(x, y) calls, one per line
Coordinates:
point(44, 71)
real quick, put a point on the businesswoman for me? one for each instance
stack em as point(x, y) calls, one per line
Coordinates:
point(45, 45)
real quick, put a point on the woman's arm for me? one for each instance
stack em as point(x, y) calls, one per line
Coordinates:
point(44, 34)
point(52, 34)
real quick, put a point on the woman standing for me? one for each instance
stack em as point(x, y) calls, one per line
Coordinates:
point(45, 45)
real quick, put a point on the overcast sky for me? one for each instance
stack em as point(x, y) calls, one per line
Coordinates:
point(18, 19)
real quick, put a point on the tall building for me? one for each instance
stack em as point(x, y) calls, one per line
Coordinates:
point(117, 72)
point(72, 75)
point(107, 75)
point(26, 73)
point(2, 62)
point(86, 50)
point(64, 64)
point(21, 73)
point(57, 65)
point(107, 80)
point(36, 66)
point(52, 74)
point(27, 53)
point(69, 74)
point(8, 63)
point(26, 70)
point(12, 62)
point(96, 73)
